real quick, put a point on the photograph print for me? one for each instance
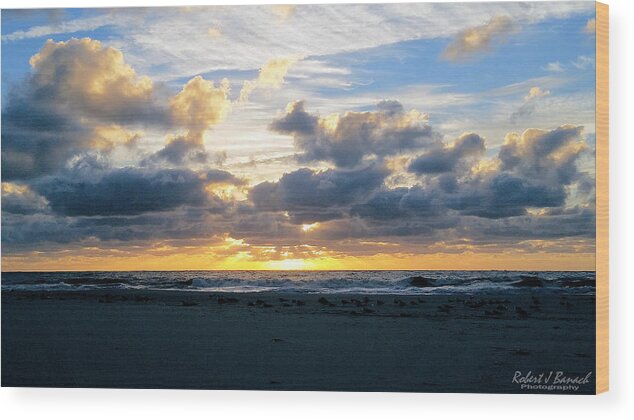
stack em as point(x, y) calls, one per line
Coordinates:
point(343, 197)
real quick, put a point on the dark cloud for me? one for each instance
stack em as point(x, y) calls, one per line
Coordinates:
point(445, 159)
point(422, 230)
point(20, 199)
point(533, 170)
point(553, 224)
point(32, 231)
point(531, 101)
point(390, 107)
point(310, 196)
point(130, 191)
point(347, 139)
point(500, 196)
point(179, 151)
point(125, 207)
point(48, 231)
point(399, 203)
point(504, 195)
point(218, 176)
point(447, 182)
point(549, 156)
point(297, 121)
point(37, 138)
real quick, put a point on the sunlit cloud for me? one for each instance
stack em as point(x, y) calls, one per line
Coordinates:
point(555, 67)
point(535, 95)
point(480, 38)
point(214, 32)
point(270, 77)
point(283, 11)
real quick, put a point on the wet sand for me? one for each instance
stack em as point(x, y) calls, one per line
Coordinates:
point(164, 339)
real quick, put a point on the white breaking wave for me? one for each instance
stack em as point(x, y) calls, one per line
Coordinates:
point(325, 282)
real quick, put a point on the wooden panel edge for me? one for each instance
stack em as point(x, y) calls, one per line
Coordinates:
point(602, 198)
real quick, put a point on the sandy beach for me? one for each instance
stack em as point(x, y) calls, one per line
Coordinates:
point(165, 339)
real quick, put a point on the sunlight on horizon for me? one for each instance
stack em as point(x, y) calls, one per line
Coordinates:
point(309, 227)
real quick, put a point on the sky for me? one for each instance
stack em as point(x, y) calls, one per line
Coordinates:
point(381, 136)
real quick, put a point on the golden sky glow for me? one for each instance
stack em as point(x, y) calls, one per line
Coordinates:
point(178, 261)
point(242, 257)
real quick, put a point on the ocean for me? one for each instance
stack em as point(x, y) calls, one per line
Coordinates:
point(395, 282)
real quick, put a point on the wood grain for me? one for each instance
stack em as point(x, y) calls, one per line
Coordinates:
point(602, 206)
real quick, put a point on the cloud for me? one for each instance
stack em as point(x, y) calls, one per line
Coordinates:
point(555, 67)
point(296, 121)
point(91, 79)
point(71, 26)
point(220, 157)
point(532, 170)
point(535, 95)
point(504, 195)
point(504, 204)
point(123, 208)
point(271, 77)
point(548, 155)
point(310, 196)
point(130, 191)
point(500, 196)
point(582, 62)
point(214, 32)
point(445, 158)
point(182, 226)
point(20, 199)
point(591, 26)
point(38, 140)
point(347, 138)
point(175, 45)
point(400, 203)
point(553, 224)
point(480, 38)
point(283, 11)
point(107, 137)
point(200, 105)
point(76, 98)
point(536, 92)
point(123, 192)
point(179, 150)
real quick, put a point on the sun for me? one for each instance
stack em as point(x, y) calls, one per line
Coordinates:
point(290, 264)
point(308, 228)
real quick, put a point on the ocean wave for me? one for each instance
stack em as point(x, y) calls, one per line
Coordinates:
point(326, 282)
